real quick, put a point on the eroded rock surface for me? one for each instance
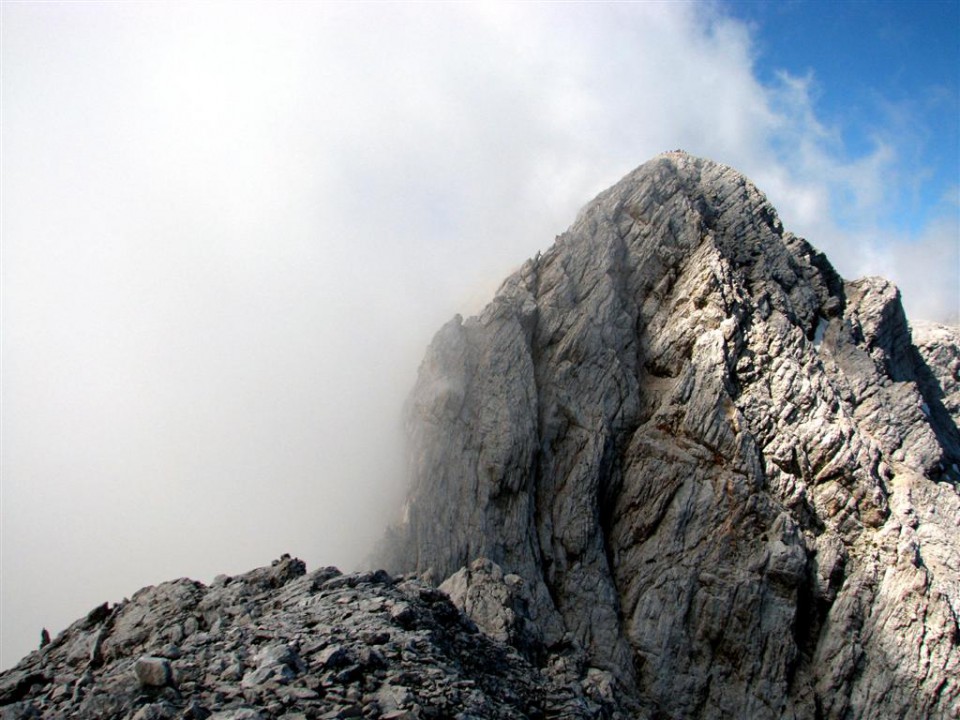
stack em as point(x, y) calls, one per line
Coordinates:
point(723, 472)
point(282, 643)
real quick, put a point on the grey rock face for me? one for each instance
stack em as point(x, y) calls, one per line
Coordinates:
point(725, 474)
point(499, 604)
point(281, 643)
point(153, 672)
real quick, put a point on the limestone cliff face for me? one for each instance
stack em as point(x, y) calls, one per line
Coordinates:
point(725, 473)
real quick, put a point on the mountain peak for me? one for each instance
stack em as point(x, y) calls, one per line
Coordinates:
point(678, 467)
point(697, 444)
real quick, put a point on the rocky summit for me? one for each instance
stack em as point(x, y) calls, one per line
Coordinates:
point(677, 468)
point(724, 472)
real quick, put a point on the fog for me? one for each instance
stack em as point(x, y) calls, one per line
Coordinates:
point(229, 232)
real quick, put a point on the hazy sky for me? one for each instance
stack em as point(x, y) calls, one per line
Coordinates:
point(230, 230)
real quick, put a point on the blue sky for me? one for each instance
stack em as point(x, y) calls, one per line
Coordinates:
point(881, 72)
point(229, 230)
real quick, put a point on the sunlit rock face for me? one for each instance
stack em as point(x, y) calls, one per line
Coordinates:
point(724, 473)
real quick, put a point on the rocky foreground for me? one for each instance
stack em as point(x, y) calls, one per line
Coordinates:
point(282, 643)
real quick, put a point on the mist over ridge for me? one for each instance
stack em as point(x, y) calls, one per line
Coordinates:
point(678, 466)
point(230, 232)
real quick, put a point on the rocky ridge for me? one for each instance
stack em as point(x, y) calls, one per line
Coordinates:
point(724, 472)
point(279, 642)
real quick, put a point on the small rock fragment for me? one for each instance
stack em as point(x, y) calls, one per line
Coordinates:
point(153, 672)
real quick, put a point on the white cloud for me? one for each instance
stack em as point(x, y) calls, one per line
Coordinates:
point(926, 268)
point(230, 230)
point(846, 206)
